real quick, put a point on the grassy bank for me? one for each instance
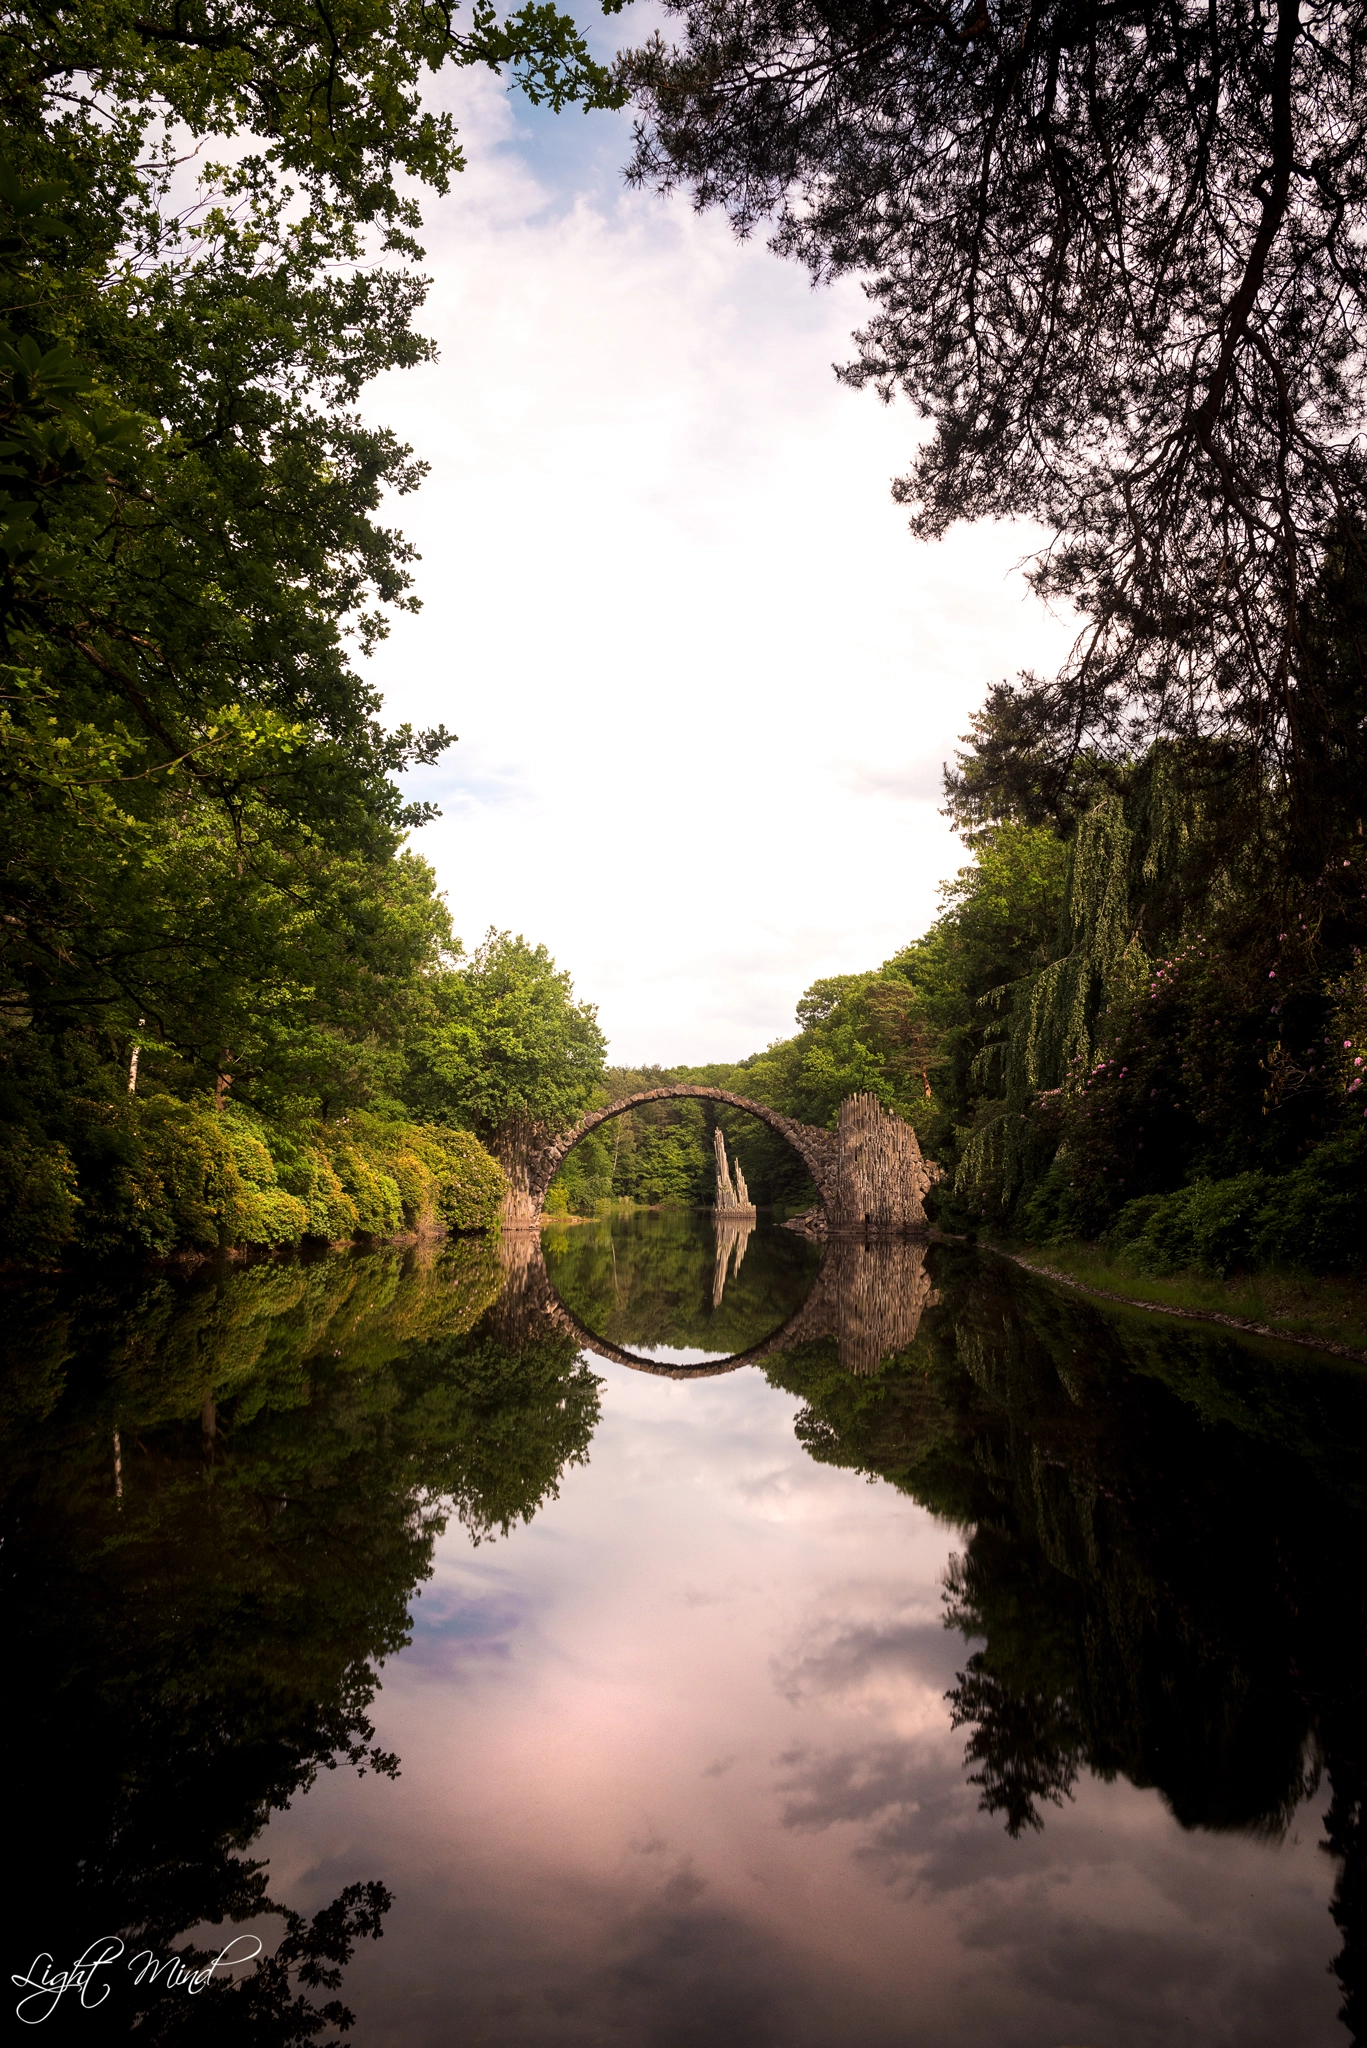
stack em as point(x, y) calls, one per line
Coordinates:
point(1328, 1309)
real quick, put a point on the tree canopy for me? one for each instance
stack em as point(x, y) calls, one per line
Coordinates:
point(208, 221)
point(1117, 259)
point(505, 1042)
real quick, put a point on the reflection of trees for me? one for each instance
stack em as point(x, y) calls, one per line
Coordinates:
point(647, 1280)
point(197, 1645)
point(868, 1296)
point(1159, 1571)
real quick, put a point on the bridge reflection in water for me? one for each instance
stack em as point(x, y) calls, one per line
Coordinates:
point(870, 1296)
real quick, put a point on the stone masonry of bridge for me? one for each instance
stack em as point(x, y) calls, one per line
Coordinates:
point(869, 1172)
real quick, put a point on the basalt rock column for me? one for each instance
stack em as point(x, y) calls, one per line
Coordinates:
point(733, 1198)
point(880, 1176)
point(522, 1149)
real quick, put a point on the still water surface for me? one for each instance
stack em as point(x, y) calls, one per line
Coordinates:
point(973, 1666)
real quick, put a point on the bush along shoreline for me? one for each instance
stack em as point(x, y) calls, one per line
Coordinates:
point(158, 1177)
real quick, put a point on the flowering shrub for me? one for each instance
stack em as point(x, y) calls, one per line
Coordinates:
point(1314, 1217)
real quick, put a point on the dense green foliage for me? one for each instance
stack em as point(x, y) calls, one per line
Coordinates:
point(1144, 1589)
point(503, 1041)
point(219, 1497)
point(207, 221)
point(1130, 1026)
point(153, 1174)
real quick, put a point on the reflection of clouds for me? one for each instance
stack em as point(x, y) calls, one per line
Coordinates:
point(1125, 1968)
point(468, 1617)
point(851, 1784)
point(689, 1779)
point(696, 1976)
point(472, 1626)
point(872, 1655)
point(918, 1819)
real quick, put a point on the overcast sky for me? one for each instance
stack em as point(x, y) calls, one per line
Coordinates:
point(703, 678)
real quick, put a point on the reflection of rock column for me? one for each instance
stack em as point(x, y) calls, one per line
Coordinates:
point(733, 1234)
point(870, 1297)
point(882, 1291)
point(732, 1199)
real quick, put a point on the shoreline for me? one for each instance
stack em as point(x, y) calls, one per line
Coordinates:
point(190, 1261)
point(1245, 1326)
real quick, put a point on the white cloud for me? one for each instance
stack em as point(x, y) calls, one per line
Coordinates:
point(702, 676)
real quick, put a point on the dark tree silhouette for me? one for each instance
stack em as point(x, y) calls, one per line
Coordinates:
point(1117, 259)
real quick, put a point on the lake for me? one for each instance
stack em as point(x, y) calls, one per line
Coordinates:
point(970, 1666)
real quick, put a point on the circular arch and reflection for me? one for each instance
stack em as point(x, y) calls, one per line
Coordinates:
point(637, 1284)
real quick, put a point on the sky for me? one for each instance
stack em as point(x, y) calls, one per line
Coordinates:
point(702, 677)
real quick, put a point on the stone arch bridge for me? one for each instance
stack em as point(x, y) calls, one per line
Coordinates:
point(869, 1172)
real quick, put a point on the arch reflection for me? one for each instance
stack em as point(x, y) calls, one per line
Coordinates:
point(869, 1297)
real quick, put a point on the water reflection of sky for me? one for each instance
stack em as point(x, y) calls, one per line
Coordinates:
point(677, 1769)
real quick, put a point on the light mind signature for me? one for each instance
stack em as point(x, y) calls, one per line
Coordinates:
point(45, 1986)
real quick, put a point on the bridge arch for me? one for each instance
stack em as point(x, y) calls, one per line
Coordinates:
point(815, 1148)
point(869, 1172)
